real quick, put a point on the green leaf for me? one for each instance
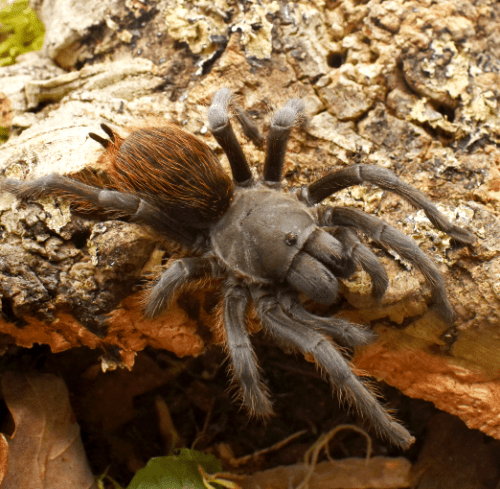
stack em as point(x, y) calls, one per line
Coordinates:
point(21, 30)
point(4, 133)
point(176, 471)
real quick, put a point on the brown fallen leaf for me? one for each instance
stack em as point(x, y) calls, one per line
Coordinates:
point(455, 456)
point(45, 450)
point(359, 473)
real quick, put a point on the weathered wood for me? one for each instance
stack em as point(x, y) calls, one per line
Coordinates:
point(411, 86)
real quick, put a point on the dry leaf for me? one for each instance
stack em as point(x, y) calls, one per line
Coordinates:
point(469, 460)
point(45, 451)
point(359, 473)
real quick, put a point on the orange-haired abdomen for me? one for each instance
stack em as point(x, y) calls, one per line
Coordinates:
point(172, 170)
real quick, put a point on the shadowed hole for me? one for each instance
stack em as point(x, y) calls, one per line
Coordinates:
point(335, 60)
point(80, 238)
point(446, 112)
point(8, 315)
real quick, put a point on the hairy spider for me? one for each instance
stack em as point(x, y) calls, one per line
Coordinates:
point(266, 244)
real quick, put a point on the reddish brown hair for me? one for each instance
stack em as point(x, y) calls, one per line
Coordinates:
point(172, 170)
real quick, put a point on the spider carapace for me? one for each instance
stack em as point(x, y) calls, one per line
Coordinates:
point(266, 245)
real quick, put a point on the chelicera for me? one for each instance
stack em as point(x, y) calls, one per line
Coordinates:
point(265, 244)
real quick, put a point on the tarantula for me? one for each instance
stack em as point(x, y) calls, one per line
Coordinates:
point(266, 245)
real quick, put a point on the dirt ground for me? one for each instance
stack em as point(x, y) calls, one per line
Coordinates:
point(128, 417)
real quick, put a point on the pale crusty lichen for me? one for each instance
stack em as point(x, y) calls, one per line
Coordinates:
point(422, 112)
point(448, 76)
point(456, 72)
point(199, 24)
point(58, 213)
point(418, 226)
point(341, 134)
point(6, 201)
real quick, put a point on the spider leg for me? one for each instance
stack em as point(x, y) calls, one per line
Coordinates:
point(250, 129)
point(282, 124)
point(180, 273)
point(357, 174)
point(313, 278)
point(338, 329)
point(331, 361)
point(220, 126)
point(243, 361)
point(386, 235)
point(362, 255)
point(87, 197)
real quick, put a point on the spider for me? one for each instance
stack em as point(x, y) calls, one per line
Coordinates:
point(266, 245)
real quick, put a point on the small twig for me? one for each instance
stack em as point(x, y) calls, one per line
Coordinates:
point(204, 430)
point(166, 426)
point(311, 456)
point(254, 456)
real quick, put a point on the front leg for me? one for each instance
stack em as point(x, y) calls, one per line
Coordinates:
point(387, 236)
point(87, 198)
point(341, 251)
point(358, 174)
point(363, 256)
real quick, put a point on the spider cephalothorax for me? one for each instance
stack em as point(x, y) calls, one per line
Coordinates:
point(267, 245)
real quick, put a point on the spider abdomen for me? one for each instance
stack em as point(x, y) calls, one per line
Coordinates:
point(172, 170)
point(262, 232)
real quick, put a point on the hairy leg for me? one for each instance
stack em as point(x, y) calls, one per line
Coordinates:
point(341, 251)
point(220, 127)
point(330, 361)
point(387, 180)
point(363, 256)
point(340, 330)
point(244, 367)
point(388, 236)
point(88, 198)
point(329, 250)
point(250, 130)
point(173, 279)
point(281, 126)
